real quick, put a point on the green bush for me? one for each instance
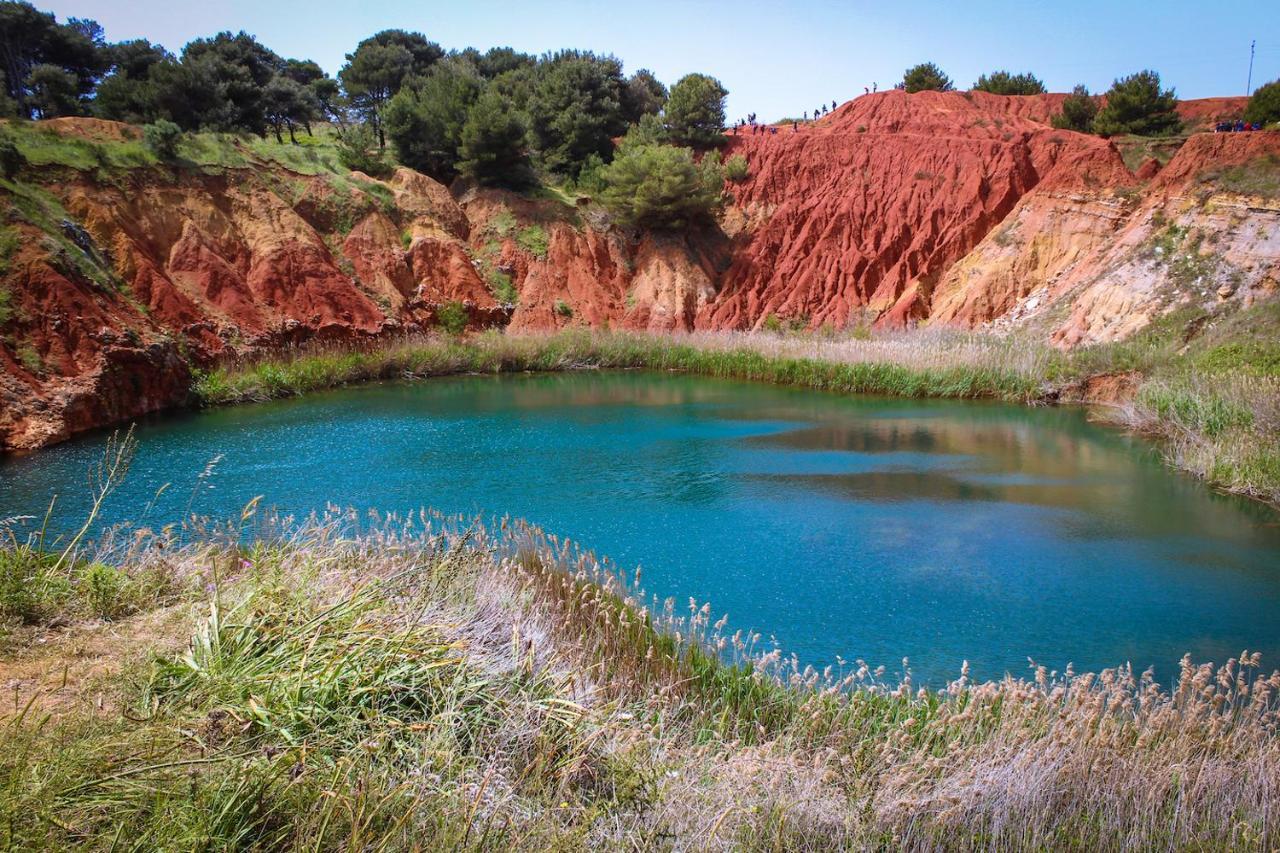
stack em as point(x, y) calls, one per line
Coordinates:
point(103, 588)
point(1264, 104)
point(1078, 111)
point(162, 137)
point(533, 240)
point(661, 186)
point(1137, 105)
point(563, 309)
point(452, 317)
point(736, 169)
point(30, 591)
point(11, 159)
point(695, 111)
point(356, 151)
point(926, 77)
point(1004, 83)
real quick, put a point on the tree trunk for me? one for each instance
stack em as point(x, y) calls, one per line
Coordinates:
point(291, 136)
point(279, 140)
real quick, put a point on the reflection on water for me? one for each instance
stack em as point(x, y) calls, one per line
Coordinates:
point(860, 527)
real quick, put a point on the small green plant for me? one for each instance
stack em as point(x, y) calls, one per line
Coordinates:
point(533, 240)
point(162, 138)
point(356, 151)
point(452, 317)
point(11, 159)
point(563, 309)
point(31, 590)
point(772, 323)
point(103, 589)
point(736, 169)
point(30, 358)
point(503, 223)
point(501, 286)
point(6, 304)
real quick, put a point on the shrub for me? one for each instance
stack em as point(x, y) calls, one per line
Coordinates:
point(30, 591)
point(533, 240)
point(661, 186)
point(736, 169)
point(452, 317)
point(926, 77)
point(356, 151)
point(1137, 105)
point(1004, 83)
point(162, 137)
point(695, 110)
point(1078, 111)
point(103, 588)
point(501, 286)
point(563, 309)
point(1264, 104)
point(11, 159)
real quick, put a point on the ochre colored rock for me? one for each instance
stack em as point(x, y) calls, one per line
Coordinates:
point(963, 209)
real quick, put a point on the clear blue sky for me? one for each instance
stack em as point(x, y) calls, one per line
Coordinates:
point(776, 58)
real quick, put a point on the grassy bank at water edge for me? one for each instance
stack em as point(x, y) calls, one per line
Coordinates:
point(1212, 405)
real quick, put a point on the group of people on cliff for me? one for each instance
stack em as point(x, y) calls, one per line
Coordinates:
point(1237, 126)
point(750, 121)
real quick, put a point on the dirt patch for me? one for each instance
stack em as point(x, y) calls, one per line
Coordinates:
point(72, 668)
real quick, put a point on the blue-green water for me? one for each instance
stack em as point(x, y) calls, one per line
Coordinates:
point(866, 528)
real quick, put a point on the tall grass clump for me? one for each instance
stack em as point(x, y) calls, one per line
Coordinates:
point(972, 369)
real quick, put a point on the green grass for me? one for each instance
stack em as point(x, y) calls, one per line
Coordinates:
point(1196, 399)
point(533, 240)
point(494, 353)
point(1257, 177)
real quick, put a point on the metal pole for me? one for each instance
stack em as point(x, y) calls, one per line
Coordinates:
point(1248, 89)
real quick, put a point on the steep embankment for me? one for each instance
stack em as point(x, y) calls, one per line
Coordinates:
point(958, 208)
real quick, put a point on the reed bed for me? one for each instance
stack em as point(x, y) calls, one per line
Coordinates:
point(1219, 424)
point(366, 681)
point(925, 366)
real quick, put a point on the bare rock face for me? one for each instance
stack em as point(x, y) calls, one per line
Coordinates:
point(963, 209)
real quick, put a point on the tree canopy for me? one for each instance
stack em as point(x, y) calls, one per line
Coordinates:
point(695, 110)
point(424, 120)
point(1004, 83)
point(662, 186)
point(1137, 105)
point(1078, 111)
point(926, 77)
point(575, 109)
point(1264, 104)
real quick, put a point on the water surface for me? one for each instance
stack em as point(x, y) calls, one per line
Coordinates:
point(861, 527)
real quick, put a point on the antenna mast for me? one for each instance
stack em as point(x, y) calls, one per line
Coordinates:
point(1248, 89)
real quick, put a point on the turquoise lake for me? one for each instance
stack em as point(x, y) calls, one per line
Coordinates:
point(861, 527)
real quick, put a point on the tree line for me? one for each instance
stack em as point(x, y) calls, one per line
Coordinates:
point(495, 116)
point(1137, 104)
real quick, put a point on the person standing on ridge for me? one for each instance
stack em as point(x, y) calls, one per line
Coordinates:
point(873, 88)
point(866, 91)
point(795, 126)
point(833, 106)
